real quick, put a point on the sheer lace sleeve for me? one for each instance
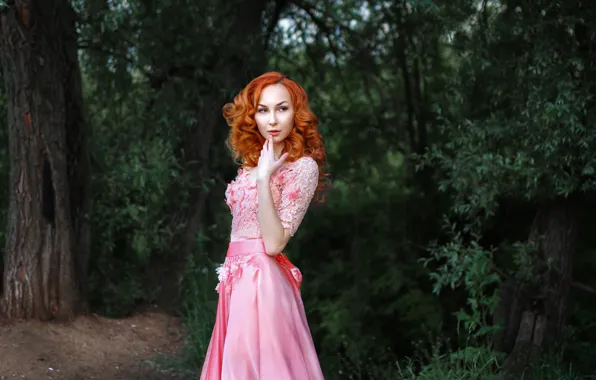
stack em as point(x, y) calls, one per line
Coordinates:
point(299, 187)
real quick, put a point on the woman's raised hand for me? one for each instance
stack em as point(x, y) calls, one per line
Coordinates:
point(267, 164)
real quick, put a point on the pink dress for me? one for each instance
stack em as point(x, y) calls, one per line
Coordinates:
point(261, 331)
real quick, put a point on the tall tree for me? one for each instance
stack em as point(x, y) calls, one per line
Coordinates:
point(225, 49)
point(523, 134)
point(47, 240)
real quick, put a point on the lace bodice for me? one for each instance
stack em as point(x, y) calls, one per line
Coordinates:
point(292, 187)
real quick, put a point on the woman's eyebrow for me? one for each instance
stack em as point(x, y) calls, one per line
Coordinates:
point(278, 104)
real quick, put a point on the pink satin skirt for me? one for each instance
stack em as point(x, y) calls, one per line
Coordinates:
point(261, 331)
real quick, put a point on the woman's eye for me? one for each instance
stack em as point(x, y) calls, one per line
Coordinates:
point(283, 108)
point(262, 110)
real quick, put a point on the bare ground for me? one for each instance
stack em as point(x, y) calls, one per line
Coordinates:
point(91, 347)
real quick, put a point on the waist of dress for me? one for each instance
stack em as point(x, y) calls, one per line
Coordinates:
point(246, 247)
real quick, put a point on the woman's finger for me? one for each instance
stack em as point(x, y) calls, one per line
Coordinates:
point(269, 147)
point(282, 158)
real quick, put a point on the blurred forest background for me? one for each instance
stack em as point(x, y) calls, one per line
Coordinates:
point(457, 238)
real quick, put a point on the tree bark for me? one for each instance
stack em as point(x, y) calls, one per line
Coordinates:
point(534, 314)
point(47, 245)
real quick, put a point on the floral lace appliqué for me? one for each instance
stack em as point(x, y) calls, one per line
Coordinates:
point(230, 271)
point(299, 188)
point(292, 187)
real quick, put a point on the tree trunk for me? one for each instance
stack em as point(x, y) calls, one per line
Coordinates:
point(534, 313)
point(47, 244)
point(233, 66)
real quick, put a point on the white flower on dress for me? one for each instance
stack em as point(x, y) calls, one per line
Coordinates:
point(230, 271)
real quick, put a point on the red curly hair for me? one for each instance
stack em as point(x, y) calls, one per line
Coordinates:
point(246, 142)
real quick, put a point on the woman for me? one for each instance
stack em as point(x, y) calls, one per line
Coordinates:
point(261, 331)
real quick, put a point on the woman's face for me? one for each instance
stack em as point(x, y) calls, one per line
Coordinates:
point(275, 114)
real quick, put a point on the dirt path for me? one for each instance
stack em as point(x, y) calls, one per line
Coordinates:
point(90, 348)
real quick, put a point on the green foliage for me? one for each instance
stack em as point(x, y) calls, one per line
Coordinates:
point(382, 304)
point(138, 66)
point(200, 308)
point(440, 363)
point(133, 169)
point(467, 363)
point(517, 127)
point(519, 122)
point(471, 267)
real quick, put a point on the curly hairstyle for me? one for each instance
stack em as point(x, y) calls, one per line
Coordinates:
point(245, 141)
